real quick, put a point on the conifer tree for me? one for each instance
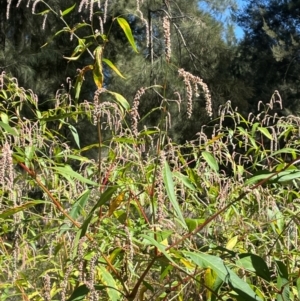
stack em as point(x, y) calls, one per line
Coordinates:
point(268, 54)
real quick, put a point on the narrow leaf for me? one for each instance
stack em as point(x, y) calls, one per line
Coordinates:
point(241, 287)
point(67, 171)
point(265, 132)
point(254, 263)
point(232, 242)
point(75, 134)
point(9, 129)
point(68, 10)
point(14, 210)
point(211, 161)
point(115, 203)
point(113, 67)
point(127, 30)
point(79, 293)
point(161, 247)
point(97, 69)
point(120, 99)
point(168, 181)
point(111, 286)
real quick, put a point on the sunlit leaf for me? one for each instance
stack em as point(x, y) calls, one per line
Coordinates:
point(9, 129)
point(120, 99)
point(265, 132)
point(115, 203)
point(68, 10)
point(193, 223)
point(67, 172)
point(169, 184)
point(113, 67)
point(75, 134)
point(232, 243)
point(215, 263)
point(97, 69)
point(211, 161)
point(14, 210)
point(110, 283)
point(161, 247)
point(127, 30)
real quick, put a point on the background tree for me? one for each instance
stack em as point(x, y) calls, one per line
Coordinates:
point(196, 44)
point(268, 55)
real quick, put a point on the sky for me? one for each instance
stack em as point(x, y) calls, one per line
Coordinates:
point(238, 30)
point(222, 17)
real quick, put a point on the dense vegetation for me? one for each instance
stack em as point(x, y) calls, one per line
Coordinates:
point(126, 171)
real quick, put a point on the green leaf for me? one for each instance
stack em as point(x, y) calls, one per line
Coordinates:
point(98, 68)
point(75, 134)
point(120, 99)
point(254, 263)
point(79, 293)
point(9, 129)
point(211, 161)
point(4, 117)
point(113, 67)
point(242, 288)
point(232, 243)
point(161, 247)
point(77, 208)
point(286, 176)
point(104, 198)
point(14, 210)
point(56, 34)
point(265, 132)
point(261, 175)
point(44, 12)
point(68, 10)
point(168, 181)
point(67, 171)
point(127, 30)
point(193, 223)
point(282, 281)
point(298, 287)
point(111, 286)
point(185, 180)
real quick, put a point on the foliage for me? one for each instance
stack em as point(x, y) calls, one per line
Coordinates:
point(269, 52)
point(215, 218)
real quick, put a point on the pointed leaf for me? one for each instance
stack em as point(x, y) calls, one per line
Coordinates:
point(79, 293)
point(232, 242)
point(160, 246)
point(111, 286)
point(254, 263)
point(282, 281)
point(127, 30)
point(120, 99)
point(113, 67)
point(168, 181)
point(67, 171)
point(211, 161)
point(68, 10)
point(75, 134)
point(9, 129)
point(98, 68)
point(241, 287)
point(265, 132)
point(14, 210)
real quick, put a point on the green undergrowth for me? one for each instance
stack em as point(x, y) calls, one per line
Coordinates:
point(216, 218)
